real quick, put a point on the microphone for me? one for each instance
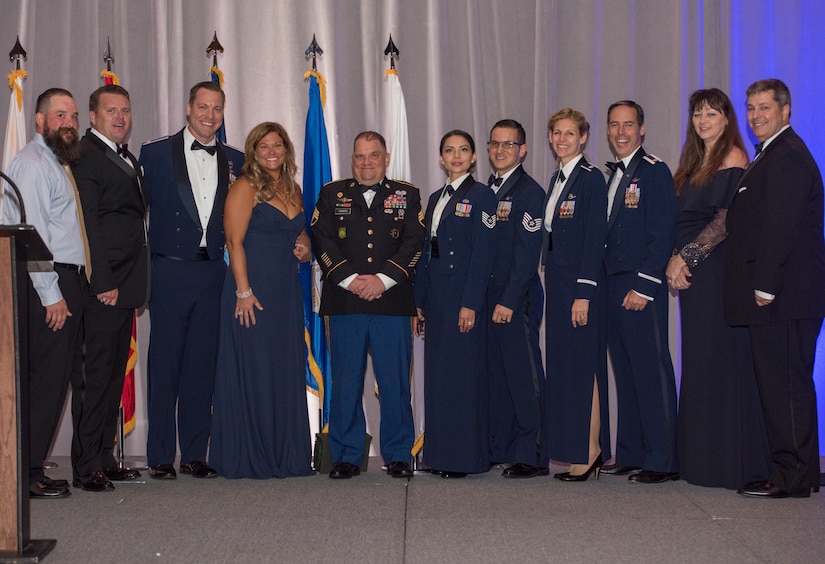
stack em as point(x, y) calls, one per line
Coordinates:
point(14, 187)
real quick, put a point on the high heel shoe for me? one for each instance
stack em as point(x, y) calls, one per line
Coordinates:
point(594, 468)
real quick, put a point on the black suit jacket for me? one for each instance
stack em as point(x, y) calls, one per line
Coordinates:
point(114, 210)
point(775, 241)
point(348, 238)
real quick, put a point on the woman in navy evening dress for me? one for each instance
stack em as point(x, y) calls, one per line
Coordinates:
point(450, 285)
point(721, 431)
point(260, 427)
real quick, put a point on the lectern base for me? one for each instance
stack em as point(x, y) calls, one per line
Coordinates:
point(34, 551)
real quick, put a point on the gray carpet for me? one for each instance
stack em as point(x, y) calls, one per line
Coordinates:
point(374, 518)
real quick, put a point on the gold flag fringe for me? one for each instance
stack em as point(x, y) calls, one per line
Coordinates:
point(322, 84)
point(17, 88)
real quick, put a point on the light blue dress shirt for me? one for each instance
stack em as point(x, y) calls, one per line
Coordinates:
point(50, 207)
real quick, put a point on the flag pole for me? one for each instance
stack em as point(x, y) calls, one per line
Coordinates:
point(216, 76)
point(399, 169)
point(313, 51)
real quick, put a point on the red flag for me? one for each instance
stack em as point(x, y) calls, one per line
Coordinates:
point(127, 398)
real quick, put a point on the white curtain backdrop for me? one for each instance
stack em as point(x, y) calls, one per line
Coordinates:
point(464, 64)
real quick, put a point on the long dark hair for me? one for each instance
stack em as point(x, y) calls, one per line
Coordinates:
point(693, 151)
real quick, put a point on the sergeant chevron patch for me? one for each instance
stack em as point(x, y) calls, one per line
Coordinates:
point(530, 224)
point(488, 220)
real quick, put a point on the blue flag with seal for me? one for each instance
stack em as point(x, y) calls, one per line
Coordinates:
point(317, 172)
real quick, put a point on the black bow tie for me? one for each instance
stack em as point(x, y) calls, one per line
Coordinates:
point(560, 177)
point(493, 181)
point(759, 147)
point(123, 150)
point(365, 189)
point(613, 166)
point(449, 190)
point(198, 146)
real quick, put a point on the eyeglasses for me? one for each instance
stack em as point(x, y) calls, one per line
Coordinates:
point(503, 144)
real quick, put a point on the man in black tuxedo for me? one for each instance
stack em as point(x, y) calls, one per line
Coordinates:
point(187, 179)
point(774, 275)
point(109, 182)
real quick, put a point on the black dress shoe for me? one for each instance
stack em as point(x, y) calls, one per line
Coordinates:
point(399, 470)
point(521, 470)
point(653, 477)
point(345, 471)
point(43, 490)
point(94, 482)
point(198, 469)
point(618, 469)
point(163, 472)
point(121, 474)
point(449, 474)
point(768, 489)
point(54, 483)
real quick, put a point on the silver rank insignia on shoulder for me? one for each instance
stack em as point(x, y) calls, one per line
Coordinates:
point(531, 225)
point(652, 159)
point(488, 220)
point(588, 168)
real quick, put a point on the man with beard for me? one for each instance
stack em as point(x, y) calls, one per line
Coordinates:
point(56, 291)
point(109, 183)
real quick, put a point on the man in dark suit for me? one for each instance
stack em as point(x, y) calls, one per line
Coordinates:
point(187, 179)
point(368, 233)
point(515, 304)
point(114, 211)
point(774, 274)
point(641, 228)
point(56, 292)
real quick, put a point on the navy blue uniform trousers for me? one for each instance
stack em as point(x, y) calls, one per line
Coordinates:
point(388, 338)
point(185, 310)
point(645, 384)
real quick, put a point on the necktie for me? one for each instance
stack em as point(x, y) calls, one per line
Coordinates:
point(449, 190)
point(613, 166)
point(87, 255)
point(561, 177)
point(759, 147)
point(198, 146)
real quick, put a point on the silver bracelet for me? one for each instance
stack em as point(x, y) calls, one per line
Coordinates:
point(246, 294)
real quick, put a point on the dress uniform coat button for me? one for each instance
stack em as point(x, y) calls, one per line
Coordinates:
point(369, 259)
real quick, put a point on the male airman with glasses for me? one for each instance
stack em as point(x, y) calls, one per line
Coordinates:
point(515, 302)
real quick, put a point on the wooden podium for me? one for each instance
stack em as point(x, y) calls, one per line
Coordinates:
point(19, 244)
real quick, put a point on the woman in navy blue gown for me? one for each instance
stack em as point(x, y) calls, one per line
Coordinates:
point(260, 427)
point(721, 431)
point(575, 223)
point(450, 284)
